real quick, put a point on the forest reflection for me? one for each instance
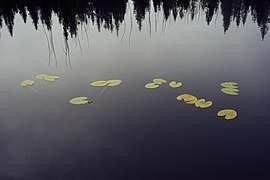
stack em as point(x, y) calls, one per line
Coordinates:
point(110, 14)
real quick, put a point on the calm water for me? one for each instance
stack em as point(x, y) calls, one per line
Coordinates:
point(130, 132)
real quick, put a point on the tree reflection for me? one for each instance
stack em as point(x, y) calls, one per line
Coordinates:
point(110, 14)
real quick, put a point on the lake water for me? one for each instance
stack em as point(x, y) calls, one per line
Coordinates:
point(130, 132)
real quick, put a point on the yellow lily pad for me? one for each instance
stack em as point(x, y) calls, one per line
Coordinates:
point(55, 77)
point(99, 83)
point(189, 99)
point(192, 102)
point(41, 76)
point(230, 91)
point(229, 114)
point(228, 84)
point(175, 84)
point(159, 81)
point(202, 103)
point(114, 82)
point(80, 100)
point(49, 78)
point(26, 83)
point(151, 86)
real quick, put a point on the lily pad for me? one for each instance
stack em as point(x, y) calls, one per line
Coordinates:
point(159, 81)
point(99, 83)
point(188, 98)
point(80, 100)
point(50, 78)
point(26, 83)
point(202, 103)
point(41, 76)
point(229, 84)
point(114, 82)
point(230, 91)
point(228, 114)
point(151, 86)
point(55, 77)
point(175, 84)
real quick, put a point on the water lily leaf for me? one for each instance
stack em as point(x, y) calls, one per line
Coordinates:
point(151, 86)
point(55, 77)
point(49, 78)
point(99, 83)
point(192, 102)
point(201, 103)
point(41, 76)
point(230, 91)
point(228, 84)
point(80, 100)
point(229, 114)
point(231, 87)
point(159, 81)
point(189, 99)
point(26, 83)
point(114, 82)
point(174, 84)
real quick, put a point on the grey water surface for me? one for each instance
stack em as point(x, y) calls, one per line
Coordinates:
point(131, 132)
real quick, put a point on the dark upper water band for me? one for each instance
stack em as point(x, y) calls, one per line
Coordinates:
point(110, 14)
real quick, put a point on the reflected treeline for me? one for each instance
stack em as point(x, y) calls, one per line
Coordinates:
point(110, 14)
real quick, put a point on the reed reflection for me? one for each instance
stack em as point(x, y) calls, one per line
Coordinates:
point(111, 14)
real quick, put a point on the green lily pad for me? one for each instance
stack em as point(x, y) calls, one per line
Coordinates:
point(175, 84)
point(159, 81)
point(80, 100)
point(55, 77)
point(99, 83)
point(187, 98)
point(41, 76)
point(151, 86)
point(228, 114)
point(202, 103)
point(228, 84)
point(230, 91)
point(114, 82)
point(26, 83)
point(49, 79)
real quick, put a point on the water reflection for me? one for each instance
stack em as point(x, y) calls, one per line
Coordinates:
point(111, 14)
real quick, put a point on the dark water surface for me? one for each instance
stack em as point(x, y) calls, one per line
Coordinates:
point(130, 132)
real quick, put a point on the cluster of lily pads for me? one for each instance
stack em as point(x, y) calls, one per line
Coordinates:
point(45, 77)
point(190, 99)
point(230, 88)
point(159, 81)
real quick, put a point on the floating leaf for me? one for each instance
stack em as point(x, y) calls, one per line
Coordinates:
point(159, 81)
point(201, 103)
point(192, 102)
point(174, 84)
point(55, 77)
point(99, 83)
point(114, 82)
point(189, 99)
point(26, 83)
point(228, 84)
point(228, 113)
point(230, 91)
point(41, 76)
point(80, 100)
point(151, 86)
point(49, 78)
